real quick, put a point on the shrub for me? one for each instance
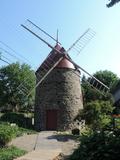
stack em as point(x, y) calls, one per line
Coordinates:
point(97, 114)
point(7, 132)
point(86, 131)
point(99, 146)
point(19, 118)
point(10, 153)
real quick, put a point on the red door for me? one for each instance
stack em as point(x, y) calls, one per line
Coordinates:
point(51, 119)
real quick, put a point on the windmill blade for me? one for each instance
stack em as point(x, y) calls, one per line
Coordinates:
point(49, 65)
point(82, 41)
point(25, 27)
point(48, 44)
point(32, 26)
point(46, 69)
point(78, 45)
point(22, 87)
point(42, 77)
point(93, 81)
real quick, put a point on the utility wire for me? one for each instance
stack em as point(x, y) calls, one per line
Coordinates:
point(14, 29)
point(10, 54)
point(4, 61)
point(6, 58)
point(14, 52)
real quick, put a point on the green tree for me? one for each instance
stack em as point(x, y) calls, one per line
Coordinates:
point(115, 86)
point(112, 3)
point(107, 77)
point(97, 114)
point(97, 107)
point(11, 77)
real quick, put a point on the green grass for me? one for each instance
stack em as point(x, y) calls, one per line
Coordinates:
point(22, 131)
point(10, 153)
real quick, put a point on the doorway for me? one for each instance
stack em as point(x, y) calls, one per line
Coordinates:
point(51, 119)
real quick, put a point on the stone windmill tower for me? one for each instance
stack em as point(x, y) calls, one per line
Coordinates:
point(58, 89)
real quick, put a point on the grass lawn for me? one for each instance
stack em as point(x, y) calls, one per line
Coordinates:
point(10, 153)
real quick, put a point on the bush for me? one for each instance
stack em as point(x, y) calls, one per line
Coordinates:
point(7, 133)
point(10, 153)
point(97, 114)
point(19, 118)
point(86, 131)
point(99, 146)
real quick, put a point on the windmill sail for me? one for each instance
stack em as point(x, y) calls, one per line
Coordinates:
point(82, 41)
point(93, 81)
point(47, 67)
point(35, 28)
point(52, 62)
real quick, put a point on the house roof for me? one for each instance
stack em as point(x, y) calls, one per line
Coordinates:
point(64, 63)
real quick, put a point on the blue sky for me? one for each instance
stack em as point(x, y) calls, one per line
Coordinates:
point(72, 18)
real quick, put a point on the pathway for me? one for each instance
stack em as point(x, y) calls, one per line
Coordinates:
point(45, 146)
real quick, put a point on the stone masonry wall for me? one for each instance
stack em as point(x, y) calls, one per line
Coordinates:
point(60, 90)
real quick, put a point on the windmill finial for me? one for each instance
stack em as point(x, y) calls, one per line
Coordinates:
point(57, 37)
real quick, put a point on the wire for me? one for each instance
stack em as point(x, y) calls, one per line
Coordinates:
point(4, 61)
point(14, 52)
point(13, 29)
point(6, 58)
point(10, 54)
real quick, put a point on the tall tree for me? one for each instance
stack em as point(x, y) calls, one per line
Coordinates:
point(112, 3)
point(107, 77)
point(11, 77)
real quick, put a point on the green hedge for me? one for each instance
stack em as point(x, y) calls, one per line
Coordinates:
point(19, 118)
point(10, 153)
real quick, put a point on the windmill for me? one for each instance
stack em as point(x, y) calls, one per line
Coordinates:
point(58, 90)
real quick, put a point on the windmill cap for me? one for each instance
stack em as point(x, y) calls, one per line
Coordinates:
point(64, 63)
